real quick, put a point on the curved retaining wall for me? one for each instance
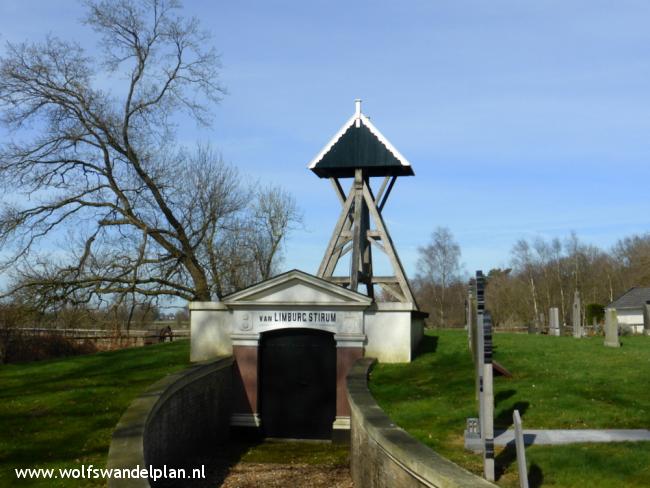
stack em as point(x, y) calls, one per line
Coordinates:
point(173, 421)
point(383, 455)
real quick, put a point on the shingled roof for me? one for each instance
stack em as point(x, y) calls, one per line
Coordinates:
point(633, 298)
point(359, 144)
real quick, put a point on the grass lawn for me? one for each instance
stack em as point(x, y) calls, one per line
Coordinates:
point(61, 413)
point(558, 383)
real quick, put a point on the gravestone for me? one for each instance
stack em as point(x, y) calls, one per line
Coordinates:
point(521, 450)
point(554, 321)
point(611, 328)
point(576, 316)
point(646, 318)
point(473, 435)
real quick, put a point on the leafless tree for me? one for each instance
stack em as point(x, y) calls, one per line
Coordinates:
point(274, 213)
point(145, 218)
point(523, 262)
point(439, 266)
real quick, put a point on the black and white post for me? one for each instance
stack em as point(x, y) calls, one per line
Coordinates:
point(486, 392)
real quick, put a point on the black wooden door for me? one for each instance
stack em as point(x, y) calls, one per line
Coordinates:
point(298, 383)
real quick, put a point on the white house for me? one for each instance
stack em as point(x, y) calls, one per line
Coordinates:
point(629, 308)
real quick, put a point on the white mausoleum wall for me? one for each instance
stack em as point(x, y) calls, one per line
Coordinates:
point(392, 334)
point(388, 331)
point(210, 330)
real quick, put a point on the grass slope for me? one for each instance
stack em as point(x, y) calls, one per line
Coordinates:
point(60, 413)
point(559, 382)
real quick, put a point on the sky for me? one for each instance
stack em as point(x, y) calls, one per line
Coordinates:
point(520, 119)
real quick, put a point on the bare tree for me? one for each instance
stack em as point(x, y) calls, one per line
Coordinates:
point(523, 262)
point(145, 218)
point(439, 265)
point(274, 213)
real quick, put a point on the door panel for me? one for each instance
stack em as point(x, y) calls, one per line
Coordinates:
point(298, 383)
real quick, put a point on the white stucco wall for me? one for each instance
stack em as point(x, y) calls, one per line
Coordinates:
point(210, 329)
point(630, 319)
point(386, 331)
point(391, 333)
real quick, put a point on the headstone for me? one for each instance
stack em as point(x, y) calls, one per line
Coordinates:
point(646, 318)
point(521, 450)
point(554, 321)
point(473, 435)
point(576, 316)
point(611, 328)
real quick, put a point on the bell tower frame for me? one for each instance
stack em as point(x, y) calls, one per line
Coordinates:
point(360, 151)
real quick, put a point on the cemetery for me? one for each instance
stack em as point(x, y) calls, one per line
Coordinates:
point(342, 357)
point(157, 329)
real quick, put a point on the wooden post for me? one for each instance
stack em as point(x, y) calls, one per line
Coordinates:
point(357, 227)
point(488, 401)
point(478, 335)
point(521, 450)
point(469, 309)
point(353, 232)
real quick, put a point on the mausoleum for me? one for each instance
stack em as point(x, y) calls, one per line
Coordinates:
point(295, 336)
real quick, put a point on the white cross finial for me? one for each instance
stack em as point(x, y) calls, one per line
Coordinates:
point(357, 111)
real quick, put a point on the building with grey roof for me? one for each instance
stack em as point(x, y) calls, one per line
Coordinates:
point(629, 308)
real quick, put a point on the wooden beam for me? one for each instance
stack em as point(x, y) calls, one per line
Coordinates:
point(393, 291)
point(381, 189)
point(338, 228)
point(385, 279)
point(377, 245)
point(338, 190)
point(339, 280)
point(346, 234)
point(390, 187)
point(357, 192)
point(390, 249)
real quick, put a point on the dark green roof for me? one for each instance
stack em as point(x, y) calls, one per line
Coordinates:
point(360, 145)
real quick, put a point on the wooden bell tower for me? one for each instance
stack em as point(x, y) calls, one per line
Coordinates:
point(360, 151)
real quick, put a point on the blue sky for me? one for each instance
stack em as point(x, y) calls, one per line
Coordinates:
point(519, 118)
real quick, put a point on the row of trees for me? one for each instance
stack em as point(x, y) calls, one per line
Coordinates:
point(544, 273)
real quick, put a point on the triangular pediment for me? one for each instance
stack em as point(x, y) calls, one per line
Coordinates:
point(296, 287)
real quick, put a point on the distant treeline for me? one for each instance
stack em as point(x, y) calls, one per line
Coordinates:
point(543, 274)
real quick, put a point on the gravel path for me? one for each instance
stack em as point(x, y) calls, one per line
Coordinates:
point(250, 475)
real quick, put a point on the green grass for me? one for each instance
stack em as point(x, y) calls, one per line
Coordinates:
point(558, 383)
point(61, 413)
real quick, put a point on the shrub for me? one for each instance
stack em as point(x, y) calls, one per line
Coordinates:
point(594, 311)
